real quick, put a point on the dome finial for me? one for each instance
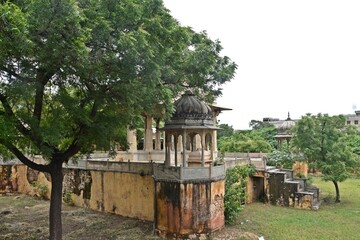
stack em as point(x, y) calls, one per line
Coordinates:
point(288, 118)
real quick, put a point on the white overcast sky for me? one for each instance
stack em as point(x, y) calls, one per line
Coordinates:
point(293, 56)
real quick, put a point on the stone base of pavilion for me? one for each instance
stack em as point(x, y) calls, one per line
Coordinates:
point(189, 201)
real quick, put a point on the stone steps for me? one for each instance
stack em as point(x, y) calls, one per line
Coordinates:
point(293, 191)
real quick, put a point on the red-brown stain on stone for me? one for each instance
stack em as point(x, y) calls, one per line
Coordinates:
point(190, 208)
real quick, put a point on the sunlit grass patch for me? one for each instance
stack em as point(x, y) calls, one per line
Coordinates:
point(331, 221)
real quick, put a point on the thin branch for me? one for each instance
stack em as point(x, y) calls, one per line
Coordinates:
point(71, 150)
point(23, 158)
point(35, 138)
point(75, 146)
point(2, 68)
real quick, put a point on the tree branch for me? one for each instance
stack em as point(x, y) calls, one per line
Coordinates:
point(42, 78)
point(75, 146)
point(2, 68)
point(12, 148)
point(35, 138)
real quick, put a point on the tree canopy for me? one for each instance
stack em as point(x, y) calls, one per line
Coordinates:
point(326, 141)
point(225, 131)
point(75, 73)
point(261, 140)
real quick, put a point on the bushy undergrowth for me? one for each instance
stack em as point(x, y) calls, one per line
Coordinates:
point(235, 191)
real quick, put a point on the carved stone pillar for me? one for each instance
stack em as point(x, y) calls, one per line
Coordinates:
point(157, 135)
point(132, 140)
point(148, 138)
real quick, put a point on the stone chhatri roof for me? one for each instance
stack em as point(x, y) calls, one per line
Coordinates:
point(191, 113)
point(189, 106)
point(286, 125)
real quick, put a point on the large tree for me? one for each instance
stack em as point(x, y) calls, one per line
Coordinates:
point(74, 72)
point(326, 141)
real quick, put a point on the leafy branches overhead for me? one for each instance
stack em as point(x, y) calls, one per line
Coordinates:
point(86, 66)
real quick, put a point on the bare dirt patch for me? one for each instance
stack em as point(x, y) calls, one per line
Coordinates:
point(25, 217)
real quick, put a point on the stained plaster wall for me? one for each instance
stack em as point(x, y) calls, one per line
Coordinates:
point(300, 169)
point(126, 194)
point(188, 208)
point(287, 193)
point(25, 180)
point(255, 187)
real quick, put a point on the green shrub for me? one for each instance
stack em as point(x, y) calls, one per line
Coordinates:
point(235, 191)
point(41, 189)
point(68, 199)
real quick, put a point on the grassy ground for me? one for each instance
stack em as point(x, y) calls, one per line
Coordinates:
point(332, 221)
point(23, 217)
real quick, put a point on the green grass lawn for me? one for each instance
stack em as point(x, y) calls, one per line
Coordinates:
point(331, 221)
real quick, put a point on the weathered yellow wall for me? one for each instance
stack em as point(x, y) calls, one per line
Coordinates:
point(189, 208)
point(249, 190)
point(217, 220)
point(126, 194)
point(305, 202)
point(300, 169)
point(20, 173)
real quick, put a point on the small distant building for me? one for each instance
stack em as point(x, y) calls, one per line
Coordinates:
point(283, 128)
point(353, 119)
point(274, 121)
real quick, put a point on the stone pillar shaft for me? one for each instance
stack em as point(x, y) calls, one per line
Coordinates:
point(148, 138)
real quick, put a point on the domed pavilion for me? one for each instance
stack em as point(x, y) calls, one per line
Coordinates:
point(191, 133)
point(284, 131)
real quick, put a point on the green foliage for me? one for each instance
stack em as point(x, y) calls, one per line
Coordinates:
point(225, 131)
point(327, 143)
point(284, 157)
point(261, 140)
point(41, 189)
point(91, 68)
point(280, 159)
point(354, 138)
point(67, 198)
point(256, 124)
point(235, 191)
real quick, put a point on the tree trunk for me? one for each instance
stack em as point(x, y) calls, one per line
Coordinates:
point(56, 201)
point(337, 199)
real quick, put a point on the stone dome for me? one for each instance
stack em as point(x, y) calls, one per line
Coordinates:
point(286, 125)
point(189, 106)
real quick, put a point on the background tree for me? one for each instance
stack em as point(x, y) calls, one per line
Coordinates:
point(246, 141)
point(325, 140)
point(257, 124)
point(75, 73)
point(225, 131)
